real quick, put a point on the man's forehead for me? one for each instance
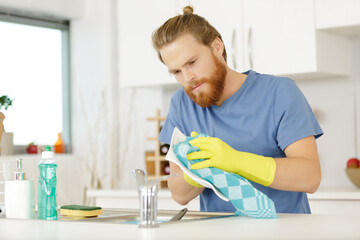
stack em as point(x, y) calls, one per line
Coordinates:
point(179, 52)
point(181, 61)
point(175, 60)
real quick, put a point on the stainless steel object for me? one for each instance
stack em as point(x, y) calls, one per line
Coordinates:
point(179, 215)
point(19, 174)
point(149, 204)
point(140, 179)
point(148, 191)
point(164, 217)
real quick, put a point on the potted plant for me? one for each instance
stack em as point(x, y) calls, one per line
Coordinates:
point(5, 102)
point(7, 138)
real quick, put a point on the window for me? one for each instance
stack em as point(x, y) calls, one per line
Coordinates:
point(34, 71)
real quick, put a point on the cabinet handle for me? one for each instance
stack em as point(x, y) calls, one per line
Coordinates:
point(233, 48)
point(250, 48)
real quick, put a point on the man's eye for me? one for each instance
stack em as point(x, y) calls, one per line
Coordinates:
point(192, 62)
point(177, 72)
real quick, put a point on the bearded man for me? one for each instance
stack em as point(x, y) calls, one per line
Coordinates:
point(261, 126)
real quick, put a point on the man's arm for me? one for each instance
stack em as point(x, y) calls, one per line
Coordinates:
point(300, 171)
point(181, 191)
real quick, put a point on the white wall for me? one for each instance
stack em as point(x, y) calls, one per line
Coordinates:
point(72, 9)
point(93, 79)
point(334, 101)
point(109, 130)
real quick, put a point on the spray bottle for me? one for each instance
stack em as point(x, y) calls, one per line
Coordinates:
point(47, 186)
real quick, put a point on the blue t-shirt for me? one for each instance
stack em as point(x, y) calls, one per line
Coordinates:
point(264, 116)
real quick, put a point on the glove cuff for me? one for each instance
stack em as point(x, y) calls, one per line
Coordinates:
point(260, 169)
point(271, 171)
point(192, 182)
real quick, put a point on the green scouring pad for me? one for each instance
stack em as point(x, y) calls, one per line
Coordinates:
point(80, 211)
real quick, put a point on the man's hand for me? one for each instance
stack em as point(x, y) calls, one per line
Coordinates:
point(218, 154)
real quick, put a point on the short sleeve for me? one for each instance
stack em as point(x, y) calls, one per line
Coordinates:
point(171, 121)
point(293, 115)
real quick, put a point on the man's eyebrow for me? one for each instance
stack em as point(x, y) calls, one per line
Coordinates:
point(172, 70)
point(187, 62)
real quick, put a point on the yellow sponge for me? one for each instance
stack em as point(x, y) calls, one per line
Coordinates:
point(80, 211)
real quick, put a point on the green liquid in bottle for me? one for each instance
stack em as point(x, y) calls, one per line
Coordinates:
point(47, 191)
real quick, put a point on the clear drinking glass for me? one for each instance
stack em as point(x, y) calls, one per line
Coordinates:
point(7, 169)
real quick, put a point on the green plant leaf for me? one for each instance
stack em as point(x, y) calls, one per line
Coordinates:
point(5, 102)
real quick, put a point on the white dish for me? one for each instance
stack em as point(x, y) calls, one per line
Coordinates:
point(176, 138)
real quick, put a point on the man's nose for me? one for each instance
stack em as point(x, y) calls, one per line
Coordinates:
point(189, 76)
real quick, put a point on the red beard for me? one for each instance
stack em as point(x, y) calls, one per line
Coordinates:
point(216, 84)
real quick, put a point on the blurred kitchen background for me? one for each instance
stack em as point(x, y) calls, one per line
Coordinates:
point(111, 80)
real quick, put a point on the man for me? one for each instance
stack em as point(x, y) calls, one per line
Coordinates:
point(260, 126)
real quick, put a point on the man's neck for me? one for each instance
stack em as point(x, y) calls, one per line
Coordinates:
point(233, 82)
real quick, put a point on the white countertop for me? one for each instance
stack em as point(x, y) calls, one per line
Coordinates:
point(336, 193)
point(287, 226)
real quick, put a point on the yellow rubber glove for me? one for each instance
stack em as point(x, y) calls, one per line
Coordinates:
point(220, 155)
point(186, 177)
point(192, 182)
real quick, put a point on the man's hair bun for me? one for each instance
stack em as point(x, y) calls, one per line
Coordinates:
point(188, 10)
point(188, 22)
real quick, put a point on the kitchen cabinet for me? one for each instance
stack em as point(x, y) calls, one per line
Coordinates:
point(335, 200)
point(226, 17)
point(138, 61)
point(281, 39)
point(269, 36)
point(338, 16)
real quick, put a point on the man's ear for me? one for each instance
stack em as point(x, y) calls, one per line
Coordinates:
point(218, 46)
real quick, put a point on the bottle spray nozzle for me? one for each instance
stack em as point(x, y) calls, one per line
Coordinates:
point(47, 154)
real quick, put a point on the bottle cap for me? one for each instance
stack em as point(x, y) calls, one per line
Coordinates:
point(19, 174)
point(47, 154)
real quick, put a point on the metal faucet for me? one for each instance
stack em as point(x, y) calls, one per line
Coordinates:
point(148, 198)
point(140, 179)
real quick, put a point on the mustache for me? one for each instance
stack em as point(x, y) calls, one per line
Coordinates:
point(196, 83)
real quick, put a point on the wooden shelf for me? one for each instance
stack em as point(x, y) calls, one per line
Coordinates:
point(155, 162)
point(152, 138)
point(154, 158)
point(156, 118)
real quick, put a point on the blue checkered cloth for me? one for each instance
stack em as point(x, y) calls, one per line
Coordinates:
point(245, 198)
